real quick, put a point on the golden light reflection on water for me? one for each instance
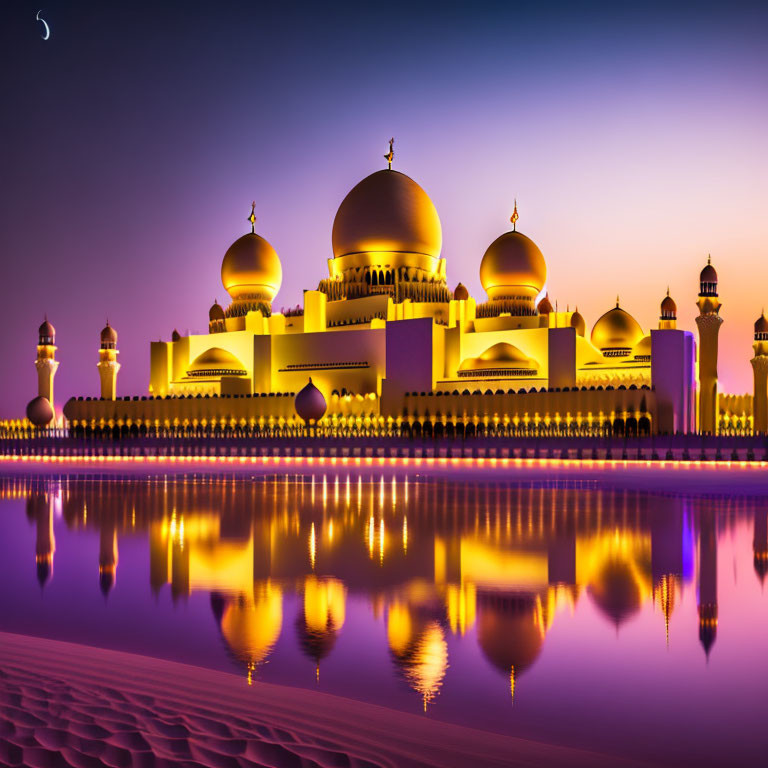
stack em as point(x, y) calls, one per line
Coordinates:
point(436, 561)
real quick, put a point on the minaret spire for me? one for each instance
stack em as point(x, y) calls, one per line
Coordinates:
point(390, 156)
point(252, 218)
point(514, 217)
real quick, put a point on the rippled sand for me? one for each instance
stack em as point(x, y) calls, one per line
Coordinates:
point(69, 705)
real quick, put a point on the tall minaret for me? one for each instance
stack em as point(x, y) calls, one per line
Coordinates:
point(668, 317)
point(760, 370)
point(709, 322)
point(108, 365)
point(46, 363)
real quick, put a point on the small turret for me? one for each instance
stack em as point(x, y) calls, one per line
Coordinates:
point(668, 316)
point(108, 365)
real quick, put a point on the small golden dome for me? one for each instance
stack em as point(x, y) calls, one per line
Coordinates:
point(251, 269)
point(499, 358)
point(216, 312)
point(544, 307)
point(616, 330)
point(387, 212)
point(40, 411)
point(216, 362)
point(642, 350)
point(461, 293)
point(577, 322)
point(761, 324)
point(108, 334)
point(46, 330)
point(708, 274)
point(668, 306)
point(512, 267)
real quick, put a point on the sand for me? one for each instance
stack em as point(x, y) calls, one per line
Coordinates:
point(63, 704)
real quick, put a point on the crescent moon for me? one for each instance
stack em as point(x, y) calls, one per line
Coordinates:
point(47, 32)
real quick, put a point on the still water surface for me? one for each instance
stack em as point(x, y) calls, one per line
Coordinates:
point(606, 619)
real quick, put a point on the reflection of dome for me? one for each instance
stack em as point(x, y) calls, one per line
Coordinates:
point(387, 212)
point(616, 332)
point(40, 412)
point(616, 591)
point(216, 362)
point(461, 293)
point(216, 312)
point(419, 650)
point(251, 270)
point(250, 626)
point(510, 631)
point(513, 267)
point(501, 359)
point(310, 403)
point(323, 616)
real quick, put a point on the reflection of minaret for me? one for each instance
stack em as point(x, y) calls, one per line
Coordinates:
point(107, 556)
point(40, 509)
point(708, 322)
point(760, 544)
point(667, 554)
point(707, 580)
point(158, 556)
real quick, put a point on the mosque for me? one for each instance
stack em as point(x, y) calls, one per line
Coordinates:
point(383, 343)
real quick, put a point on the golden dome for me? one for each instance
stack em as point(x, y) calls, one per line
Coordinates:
point(616, 330)
point(512, 267)
point(761, 324)
point(643, 348)
point(216, 362)
point(544, 307)
point(668, 306)
point(500, 357)
point(387, 212)
point(251, 269)
point(461, 293)
point(577, 322)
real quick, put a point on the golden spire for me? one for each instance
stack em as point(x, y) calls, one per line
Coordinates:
point(709, 258)
point(390, 156)
point(514, 217)
point(252, 218)
point(617, 300)
point(667, 290)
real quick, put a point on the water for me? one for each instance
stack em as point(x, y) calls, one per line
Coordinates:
point(615, 620)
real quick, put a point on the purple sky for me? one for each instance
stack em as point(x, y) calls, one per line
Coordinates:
point(134, 139)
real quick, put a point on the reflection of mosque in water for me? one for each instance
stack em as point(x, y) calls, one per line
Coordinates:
point(434, 559)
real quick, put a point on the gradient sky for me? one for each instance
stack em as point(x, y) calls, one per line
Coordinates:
point(134, 139)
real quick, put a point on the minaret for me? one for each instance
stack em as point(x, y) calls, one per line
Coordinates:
point(668, 317)
point(707, 580)
point(709, 322)
point(108, 365)
point(46, 362)
point(760, 371)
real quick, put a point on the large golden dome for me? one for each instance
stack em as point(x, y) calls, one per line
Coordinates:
point(616, 331)
point(387, 212)
point(251, 269)
point(513, 267)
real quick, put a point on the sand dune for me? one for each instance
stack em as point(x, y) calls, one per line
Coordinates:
point(70, 705)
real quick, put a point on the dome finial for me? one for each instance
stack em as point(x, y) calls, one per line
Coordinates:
point(709, 258)
point(617, 299)
point(667, 290)
point(514, 217)
point(390, 156)
point(252, 218)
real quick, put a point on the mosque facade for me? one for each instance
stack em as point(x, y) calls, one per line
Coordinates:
point(384, 342)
